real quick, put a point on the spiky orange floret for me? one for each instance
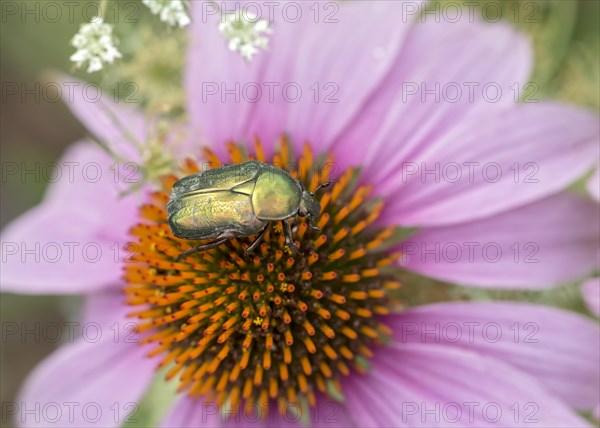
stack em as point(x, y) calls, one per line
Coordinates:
point(271, 324)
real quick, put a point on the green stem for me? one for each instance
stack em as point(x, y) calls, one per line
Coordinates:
point(103, 7)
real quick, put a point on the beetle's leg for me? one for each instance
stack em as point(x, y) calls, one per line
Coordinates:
point(202, 248)
point(311, 224)
point(289, 239)
point(258, 240)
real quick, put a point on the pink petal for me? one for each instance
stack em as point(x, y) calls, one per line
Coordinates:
point(346, 59)
point(446, 74)
point(96, 380)
point(191, 412)
point(73, 241)
point(492, 164)
point(102, 381)
point(188, 412)
point(560, 349)
point(119, 125)
point(591, 294)
point(437, 385)
point(542, 244)
point(106, 308)
point(593, 184)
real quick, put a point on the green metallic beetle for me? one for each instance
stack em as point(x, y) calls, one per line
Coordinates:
point(236, 201)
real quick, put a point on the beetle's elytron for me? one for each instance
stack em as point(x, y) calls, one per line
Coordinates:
point(236, 201)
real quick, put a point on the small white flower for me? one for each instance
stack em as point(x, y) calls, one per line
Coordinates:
point(246, 34)
point(95, 45)
point(170, 11)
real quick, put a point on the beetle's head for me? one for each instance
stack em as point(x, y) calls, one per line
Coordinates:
point(309, 207)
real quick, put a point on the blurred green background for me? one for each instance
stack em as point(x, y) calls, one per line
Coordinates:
point(566, 35)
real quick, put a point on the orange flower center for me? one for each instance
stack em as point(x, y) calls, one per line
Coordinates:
point(271, 325)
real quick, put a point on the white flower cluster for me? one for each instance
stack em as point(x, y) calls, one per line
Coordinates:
point(170, 11)
point(245, 34)
point(95, 45)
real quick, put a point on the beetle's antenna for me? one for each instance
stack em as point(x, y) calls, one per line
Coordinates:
point(321, 186)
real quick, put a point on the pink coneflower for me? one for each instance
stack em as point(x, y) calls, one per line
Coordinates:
point(318, 337)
